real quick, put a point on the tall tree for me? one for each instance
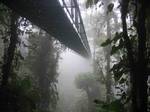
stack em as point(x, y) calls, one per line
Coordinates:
point(9, 54)
point(137, 66)
point(42, 62)
point(134, 45)
point(108, 15)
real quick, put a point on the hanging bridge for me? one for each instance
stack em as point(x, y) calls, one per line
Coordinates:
point(60, 18)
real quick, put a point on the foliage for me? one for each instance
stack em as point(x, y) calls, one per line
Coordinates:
point(24, 90)
point(117, 48)
point(85, 81)
point(131, 46)
point(21, 95)
point(88, 84)
point(114, 106)
point(42, 64)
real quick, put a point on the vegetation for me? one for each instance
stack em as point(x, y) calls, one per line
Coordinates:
point(28, 70)
point(127, 52)
point(88, 83)
point(119, 81)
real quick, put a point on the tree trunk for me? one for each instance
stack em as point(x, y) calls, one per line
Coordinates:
point(124, 10)
point(137, 70)
point(141, 75)
point(108, 50)
point(9, 55)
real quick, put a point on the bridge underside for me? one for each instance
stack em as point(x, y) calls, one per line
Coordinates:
point(50, 16)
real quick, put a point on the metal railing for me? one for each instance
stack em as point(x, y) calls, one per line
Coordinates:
point(72, 10)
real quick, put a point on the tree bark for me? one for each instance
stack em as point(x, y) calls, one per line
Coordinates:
point(141, 75)
point(137, 70)
point(108, 50)
point(132, 67)
point(9, 55)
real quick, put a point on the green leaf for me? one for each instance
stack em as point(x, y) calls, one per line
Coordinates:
point(122, 81)
point(107, 42)
point(116, 106)
point(118, 75)
point(110, 8)
point(117, 48)
point(114, 49)
point(117, 37)
point(119, 69)
point(26, 83)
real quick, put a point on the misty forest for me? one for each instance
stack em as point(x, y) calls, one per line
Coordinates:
point(48, 66)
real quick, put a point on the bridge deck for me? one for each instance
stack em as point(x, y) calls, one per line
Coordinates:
point(50, 16)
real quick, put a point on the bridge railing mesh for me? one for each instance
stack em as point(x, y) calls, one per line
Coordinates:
point(72, 10)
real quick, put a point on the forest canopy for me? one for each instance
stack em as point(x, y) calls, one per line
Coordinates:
point(118, 31)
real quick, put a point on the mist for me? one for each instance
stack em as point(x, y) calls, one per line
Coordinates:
point(70, 66)
point(74, 56)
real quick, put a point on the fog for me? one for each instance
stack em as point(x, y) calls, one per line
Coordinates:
point(39, 73)
point(70, 66)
